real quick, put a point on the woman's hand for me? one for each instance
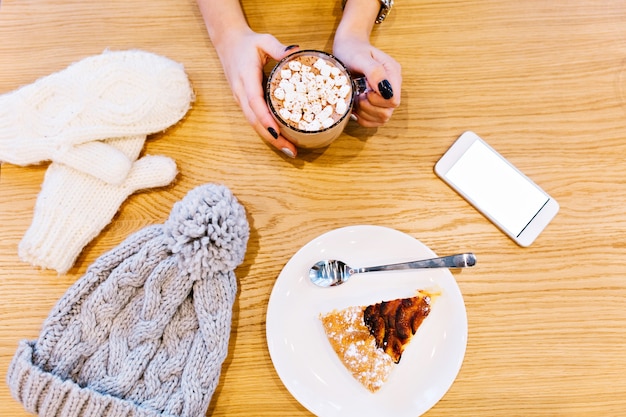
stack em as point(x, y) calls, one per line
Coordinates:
point(383, 73)
point(243, 60)
point(243, 54)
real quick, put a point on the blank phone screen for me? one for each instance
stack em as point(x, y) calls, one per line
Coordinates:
point(496, 188)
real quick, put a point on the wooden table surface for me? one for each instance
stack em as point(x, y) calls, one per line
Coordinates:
point(542, 82)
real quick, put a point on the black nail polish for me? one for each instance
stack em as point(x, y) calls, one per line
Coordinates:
point(290, 47)
point(385, 89)
point(273, 132)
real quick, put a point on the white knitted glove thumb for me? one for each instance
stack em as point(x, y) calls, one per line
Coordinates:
point(73, 208)
point(114, 94)
point(98, 159)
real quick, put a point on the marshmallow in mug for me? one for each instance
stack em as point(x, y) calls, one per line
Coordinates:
point(312, 97)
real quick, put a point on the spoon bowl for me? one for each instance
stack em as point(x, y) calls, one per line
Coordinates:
point(330, 273)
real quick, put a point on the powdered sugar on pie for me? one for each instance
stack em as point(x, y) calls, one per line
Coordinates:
point(351, 339)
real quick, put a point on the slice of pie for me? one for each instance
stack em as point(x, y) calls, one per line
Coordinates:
point(370, 340)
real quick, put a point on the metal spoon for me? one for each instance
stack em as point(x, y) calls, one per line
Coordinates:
point(329, 273)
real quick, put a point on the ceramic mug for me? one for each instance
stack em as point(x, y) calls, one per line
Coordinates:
point(311, 93)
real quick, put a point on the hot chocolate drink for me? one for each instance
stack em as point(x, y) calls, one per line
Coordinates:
point(310, 94)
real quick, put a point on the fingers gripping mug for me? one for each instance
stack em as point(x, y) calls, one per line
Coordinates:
point(311, 94)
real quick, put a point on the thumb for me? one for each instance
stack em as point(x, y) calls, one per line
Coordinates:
point(98, 159)
point(151, 171)
point(278, 50)
point(377, 74)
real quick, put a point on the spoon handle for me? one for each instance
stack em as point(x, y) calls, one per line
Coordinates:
point(453, 261)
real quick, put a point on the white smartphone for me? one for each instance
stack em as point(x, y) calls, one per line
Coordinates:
point(496, 188)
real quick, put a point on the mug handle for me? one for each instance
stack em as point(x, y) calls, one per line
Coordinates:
point(359, 86)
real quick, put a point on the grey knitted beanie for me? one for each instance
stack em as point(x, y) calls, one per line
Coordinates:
point(145, 331)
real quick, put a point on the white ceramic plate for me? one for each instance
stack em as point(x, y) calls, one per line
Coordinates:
point(308, 365)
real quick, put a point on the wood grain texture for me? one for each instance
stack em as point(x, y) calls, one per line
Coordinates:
point(542, 82)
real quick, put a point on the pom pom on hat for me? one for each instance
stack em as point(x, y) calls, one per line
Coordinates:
point(208, 229)
point(145, 331)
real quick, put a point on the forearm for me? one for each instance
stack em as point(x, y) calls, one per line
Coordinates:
point(358, 19)
point(222, 18)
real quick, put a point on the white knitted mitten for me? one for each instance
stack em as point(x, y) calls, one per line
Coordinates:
point(111, 95)
point(73, 207)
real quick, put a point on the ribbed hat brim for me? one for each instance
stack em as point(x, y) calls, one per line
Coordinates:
point(45, 394)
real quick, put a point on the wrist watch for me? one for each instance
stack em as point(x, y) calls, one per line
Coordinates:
point(385, 8)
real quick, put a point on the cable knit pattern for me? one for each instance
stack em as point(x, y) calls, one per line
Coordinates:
point(114, 94)
point(145, 331)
